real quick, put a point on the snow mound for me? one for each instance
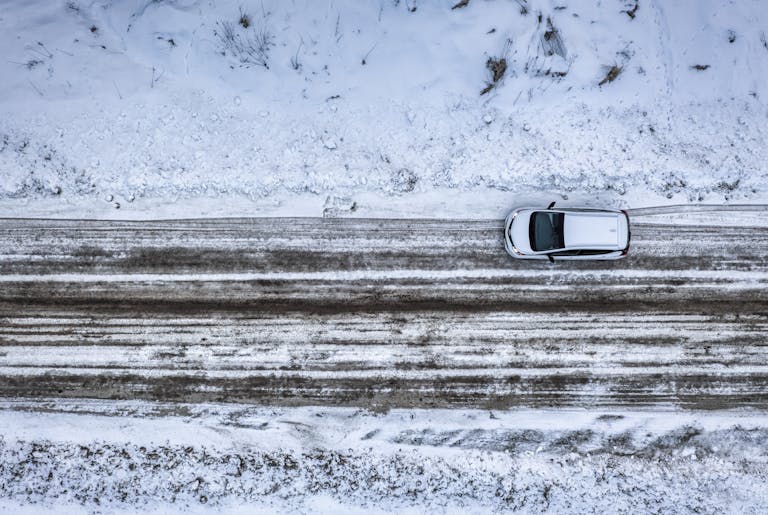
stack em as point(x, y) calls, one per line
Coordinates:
point(632, 102)
point(104, 456)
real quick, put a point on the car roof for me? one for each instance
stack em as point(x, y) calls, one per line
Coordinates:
point(591, 229)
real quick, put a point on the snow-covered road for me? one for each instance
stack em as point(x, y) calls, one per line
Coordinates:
point(382, 314)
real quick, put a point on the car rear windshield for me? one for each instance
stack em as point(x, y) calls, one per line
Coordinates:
point(546, 231)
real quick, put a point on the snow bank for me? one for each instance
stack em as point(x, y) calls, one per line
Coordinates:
point(107, 457)
point(115, 108)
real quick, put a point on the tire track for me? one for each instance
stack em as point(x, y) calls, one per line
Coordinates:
point(379, 314)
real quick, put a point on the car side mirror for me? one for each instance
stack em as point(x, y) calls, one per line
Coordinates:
point(551, 258)
point(551, 205)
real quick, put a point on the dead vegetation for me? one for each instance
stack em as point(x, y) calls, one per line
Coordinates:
point(33, 63)
point(40, 55)
point(632, 12)
point(248, 49)
point(497, 66)
point(462, 3)
point(700, 67)
point(612, 74)
point(295, 61)
point(546, 53)
point(364, 60)
point(552, 41)
point(245, 19)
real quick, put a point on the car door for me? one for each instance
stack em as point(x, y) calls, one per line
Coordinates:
point(565, 254)
point(585, 255)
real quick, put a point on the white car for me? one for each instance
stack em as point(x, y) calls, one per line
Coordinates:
point(573, 233)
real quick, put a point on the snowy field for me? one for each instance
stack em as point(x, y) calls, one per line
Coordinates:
point(140, 109)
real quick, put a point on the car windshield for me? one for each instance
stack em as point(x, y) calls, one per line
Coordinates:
point(546, 231)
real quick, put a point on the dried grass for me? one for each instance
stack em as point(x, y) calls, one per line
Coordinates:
point(613, 73)
point(497, 67)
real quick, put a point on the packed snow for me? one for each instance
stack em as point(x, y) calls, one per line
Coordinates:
point(202, 108)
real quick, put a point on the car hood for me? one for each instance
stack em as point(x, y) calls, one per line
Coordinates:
point(519, 231)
